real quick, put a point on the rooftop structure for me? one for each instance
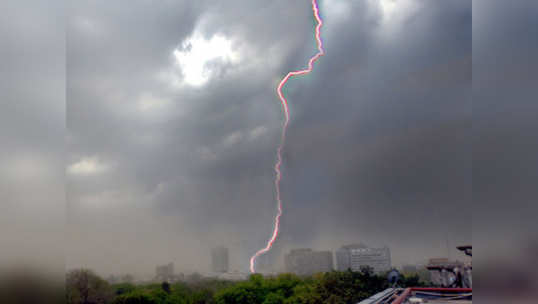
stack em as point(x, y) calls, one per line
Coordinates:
point(448, 273)
point(421, 295)
point(445, 295)
point(467, 249)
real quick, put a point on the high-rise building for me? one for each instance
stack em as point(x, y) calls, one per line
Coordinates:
point(357, 256)
point(343, 259)
point(307, 261)
point(219, 259)
point(164, 272)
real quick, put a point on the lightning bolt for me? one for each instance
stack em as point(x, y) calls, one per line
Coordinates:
point(285, 108)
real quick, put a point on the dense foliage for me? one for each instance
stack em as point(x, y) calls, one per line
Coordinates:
point(331, 287)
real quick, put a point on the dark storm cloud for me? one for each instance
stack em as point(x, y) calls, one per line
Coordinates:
point(386, 148)
point(377, 148)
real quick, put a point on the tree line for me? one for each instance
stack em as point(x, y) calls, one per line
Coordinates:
point(85, 287)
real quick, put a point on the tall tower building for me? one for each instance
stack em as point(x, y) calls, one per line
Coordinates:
point(219, 259)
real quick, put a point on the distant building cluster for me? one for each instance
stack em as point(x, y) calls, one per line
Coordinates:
point(302, 262)
point(307, 261)
point(355, 257)
point(359, 256)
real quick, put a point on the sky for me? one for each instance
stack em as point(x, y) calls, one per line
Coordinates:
point(173, 123)
point(137, 133)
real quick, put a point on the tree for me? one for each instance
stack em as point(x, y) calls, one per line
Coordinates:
point(123, 288)
point(274, 298)
point(166, 287)
point(83, 286)
point(411, 281)
point(367, 270)
point(136, 297)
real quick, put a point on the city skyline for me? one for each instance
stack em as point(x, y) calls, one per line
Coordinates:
point(220, 263)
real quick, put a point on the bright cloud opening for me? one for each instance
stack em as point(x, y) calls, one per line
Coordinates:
point(388, 7)
point(394, 14)
point(87, 166)
point(197, 51)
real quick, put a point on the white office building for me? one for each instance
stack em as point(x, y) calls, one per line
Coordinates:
point(357, 256)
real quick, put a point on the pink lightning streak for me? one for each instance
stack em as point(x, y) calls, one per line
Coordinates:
point(284, 102)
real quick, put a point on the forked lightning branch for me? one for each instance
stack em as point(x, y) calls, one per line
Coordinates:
point(285, 108)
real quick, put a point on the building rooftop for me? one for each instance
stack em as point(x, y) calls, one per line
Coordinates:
point(422, 295)
point(444, 295)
